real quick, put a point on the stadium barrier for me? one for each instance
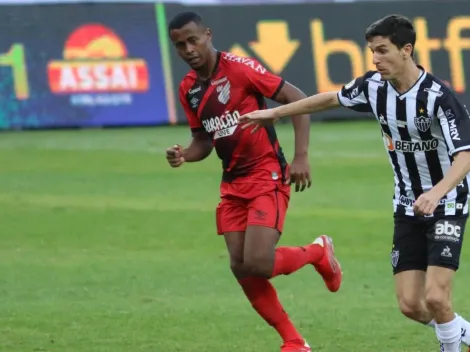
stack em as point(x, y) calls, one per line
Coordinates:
point(105, 64)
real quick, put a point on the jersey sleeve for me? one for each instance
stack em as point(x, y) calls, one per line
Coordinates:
point(354, 95)
point(262, 81)
point(194, 122)
point(455, 122)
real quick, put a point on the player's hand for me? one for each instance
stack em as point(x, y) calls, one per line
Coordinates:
point(174, 155)
point(426, 203)
point(258, 119)
point(299, 173)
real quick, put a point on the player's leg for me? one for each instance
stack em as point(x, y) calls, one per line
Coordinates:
point(231, 218)
point(409, 261)
point(261, 238)
point(445, 237)
point(268, 211)
point(410, 292)
point(235, 242)
point(260, 244)
point(264, 261)
point(231, 221)
point(259, 291)
point(438, 299)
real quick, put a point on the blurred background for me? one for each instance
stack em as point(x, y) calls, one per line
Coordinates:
point(53, 53)
point(103, 247)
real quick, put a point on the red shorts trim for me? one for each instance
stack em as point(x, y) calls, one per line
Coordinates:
point(245, 204)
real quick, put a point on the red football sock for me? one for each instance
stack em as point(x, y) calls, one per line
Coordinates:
point(263, 298)
point(291, 259)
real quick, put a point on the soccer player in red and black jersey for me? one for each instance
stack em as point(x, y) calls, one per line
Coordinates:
point(256, 179)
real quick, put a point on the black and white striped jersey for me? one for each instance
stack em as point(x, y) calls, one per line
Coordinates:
point(422, 130)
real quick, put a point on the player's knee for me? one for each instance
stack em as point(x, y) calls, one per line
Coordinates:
point(410, 307)
point(259, 267)
point(237, 268)
point(438, 299)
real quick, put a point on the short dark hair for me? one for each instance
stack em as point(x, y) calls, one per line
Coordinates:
point(183, 18)
point(397, 28)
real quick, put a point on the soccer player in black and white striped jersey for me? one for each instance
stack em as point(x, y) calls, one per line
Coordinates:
point(426, 132)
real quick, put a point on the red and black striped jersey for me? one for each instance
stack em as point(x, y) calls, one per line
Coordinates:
point(238, 86)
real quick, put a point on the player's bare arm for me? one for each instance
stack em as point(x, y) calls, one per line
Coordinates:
point(199, 149)
point(300, 168)
point(427, 202)
point(312, 104)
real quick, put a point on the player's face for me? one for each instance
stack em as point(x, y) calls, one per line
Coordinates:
point(387, 57)
point(193, 44)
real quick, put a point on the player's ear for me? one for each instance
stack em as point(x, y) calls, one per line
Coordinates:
point(407, 51)
point(208, 32)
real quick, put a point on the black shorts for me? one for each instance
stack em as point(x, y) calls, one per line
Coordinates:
point(419, 242)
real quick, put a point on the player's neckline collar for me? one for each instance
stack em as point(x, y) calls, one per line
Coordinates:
point(417, 83)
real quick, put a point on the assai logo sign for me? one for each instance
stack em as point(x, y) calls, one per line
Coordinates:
point(97, 69)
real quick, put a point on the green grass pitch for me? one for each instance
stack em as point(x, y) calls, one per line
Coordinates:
point(103, 248)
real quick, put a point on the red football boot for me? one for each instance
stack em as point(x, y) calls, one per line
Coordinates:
point(329, 267)
point(296, 346)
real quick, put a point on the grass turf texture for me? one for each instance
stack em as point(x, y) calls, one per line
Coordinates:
point(105, 248)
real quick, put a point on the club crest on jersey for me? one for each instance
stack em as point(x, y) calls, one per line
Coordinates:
point(224, 92)
point(394, 256)
point(423, 122)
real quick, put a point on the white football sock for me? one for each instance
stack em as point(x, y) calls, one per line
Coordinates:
point(465, 325)
point(450, 335)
